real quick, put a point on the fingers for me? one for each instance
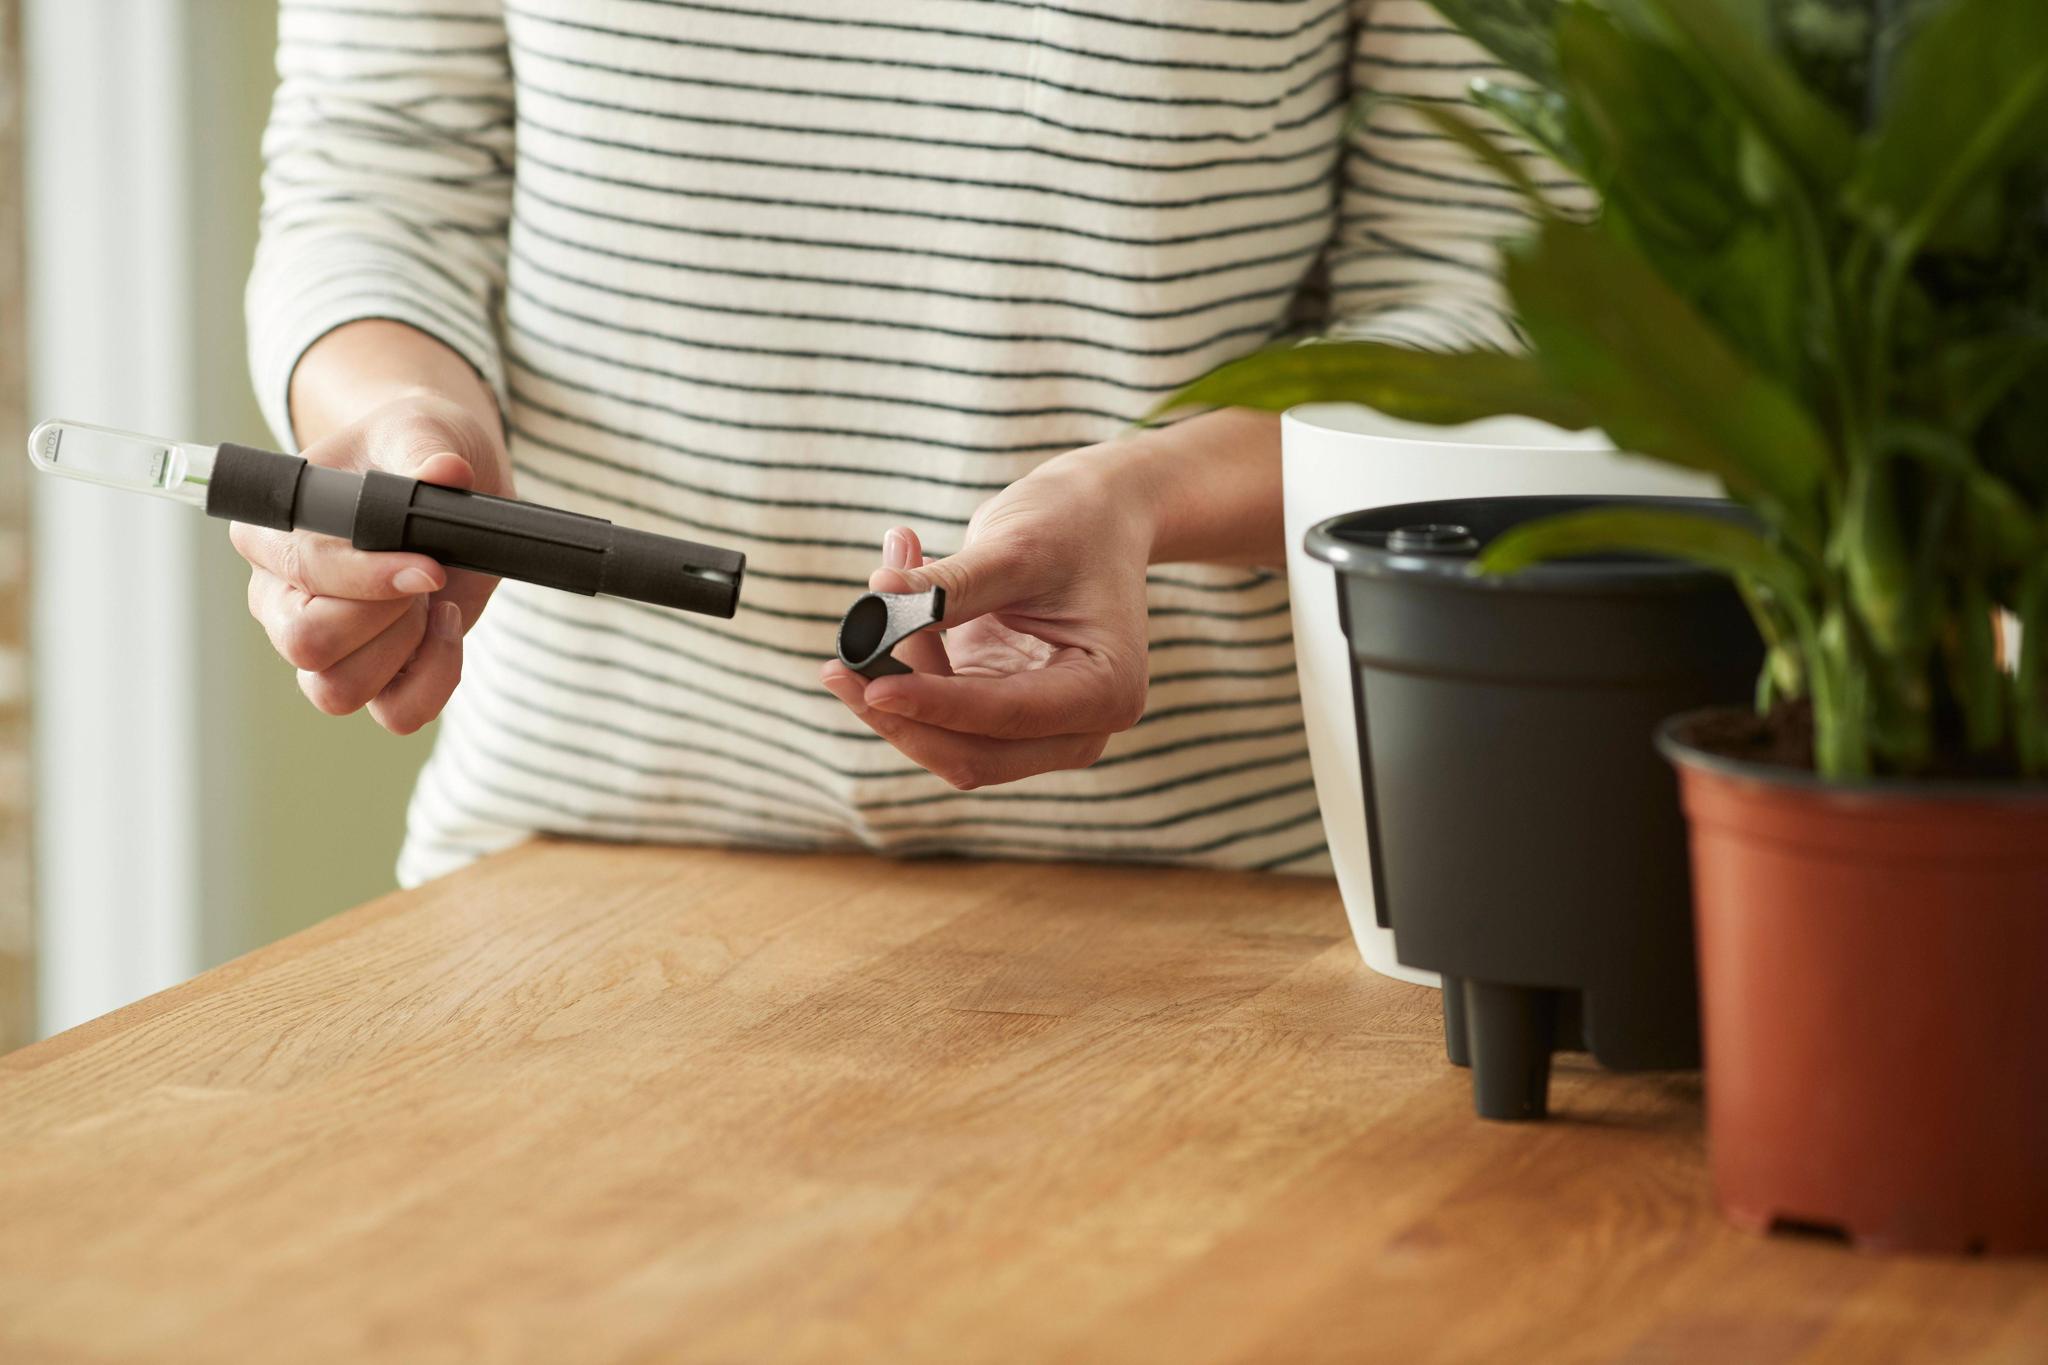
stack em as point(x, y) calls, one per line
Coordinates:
point(428, 679)
point(964, 761)
point(400, 656)
point(315, 633)
point(468, 592)
point(982, 730)
point(379, 630)
point(320, 600)
point(404, 670)
point(926, 650)
point(324, 566)
point(978, 580)
point(348, 686)
point(1074, 694)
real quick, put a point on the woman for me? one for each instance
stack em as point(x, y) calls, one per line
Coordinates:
point(810, 279)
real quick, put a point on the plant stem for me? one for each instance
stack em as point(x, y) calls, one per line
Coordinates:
point(1840, 744)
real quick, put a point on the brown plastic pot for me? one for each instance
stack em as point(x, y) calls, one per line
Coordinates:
point(1874, 987)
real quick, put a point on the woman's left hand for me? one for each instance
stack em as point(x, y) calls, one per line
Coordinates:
point(1043, 658)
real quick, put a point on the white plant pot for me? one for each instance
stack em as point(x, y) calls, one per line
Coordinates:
point(1342, 458)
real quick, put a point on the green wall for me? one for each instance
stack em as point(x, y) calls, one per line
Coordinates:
point(305, 812)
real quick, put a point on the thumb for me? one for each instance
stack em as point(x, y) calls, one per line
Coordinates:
point(442, 466)
point(976, 581)
point(420, 446)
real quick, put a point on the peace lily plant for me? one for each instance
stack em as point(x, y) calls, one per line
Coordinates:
point(1819, 272)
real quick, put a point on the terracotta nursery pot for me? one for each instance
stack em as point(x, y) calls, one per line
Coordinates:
point(1527, 841)
point(1874, 977)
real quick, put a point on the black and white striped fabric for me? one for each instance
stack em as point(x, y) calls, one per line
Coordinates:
point(780, 275)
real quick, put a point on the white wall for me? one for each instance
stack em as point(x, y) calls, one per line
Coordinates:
point(188, 805)
point(114, 628)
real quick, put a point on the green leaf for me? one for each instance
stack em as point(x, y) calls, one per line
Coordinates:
point(1727, 45)
point(1978, 372)
point(1516, 31)
point(2009, 441)
point(1829, 42)
point(1659, 379)
point(1538, 115)
point(1669, 166)
point(1483, 149)
point(1715, 542)
point(1659, 146)
point(1969, 99)
point(1437, 387)
point(2000, 520)
point(1754, 290)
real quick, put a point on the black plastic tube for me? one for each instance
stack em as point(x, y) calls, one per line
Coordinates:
point(462, 530)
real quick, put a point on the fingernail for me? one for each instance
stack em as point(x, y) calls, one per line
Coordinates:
point(447, 622)
point(895, 550)
point(847, 693)
point(895, 703)
point(412, 580)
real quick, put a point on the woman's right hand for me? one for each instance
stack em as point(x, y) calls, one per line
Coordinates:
point(378, 630)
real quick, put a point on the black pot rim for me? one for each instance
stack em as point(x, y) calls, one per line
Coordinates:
point(1681, 753)
point(1648, 574)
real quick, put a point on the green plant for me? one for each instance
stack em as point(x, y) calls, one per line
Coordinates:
point(1819, 272)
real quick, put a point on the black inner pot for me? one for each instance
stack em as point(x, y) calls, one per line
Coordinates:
point(1527, 838)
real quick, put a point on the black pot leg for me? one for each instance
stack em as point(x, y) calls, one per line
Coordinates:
point(1457, 1044)
point(1510, 1030)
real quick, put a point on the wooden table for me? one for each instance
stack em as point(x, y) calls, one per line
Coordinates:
point(601, 1104)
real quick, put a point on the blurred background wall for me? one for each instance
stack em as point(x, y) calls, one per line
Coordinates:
point(16, 922)
point(187, 804)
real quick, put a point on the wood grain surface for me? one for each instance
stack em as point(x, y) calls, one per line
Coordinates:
point(605, 1104)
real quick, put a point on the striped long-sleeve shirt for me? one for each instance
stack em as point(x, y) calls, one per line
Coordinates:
point(779, 275)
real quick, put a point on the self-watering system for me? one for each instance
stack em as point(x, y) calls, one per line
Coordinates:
point(375, 510)
point(1527, 839)
point(1338, 458)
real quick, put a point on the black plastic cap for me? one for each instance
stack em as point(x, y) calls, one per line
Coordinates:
point(1436, 539)
point(879, 621)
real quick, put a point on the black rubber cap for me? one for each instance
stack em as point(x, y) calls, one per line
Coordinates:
point(255, 487)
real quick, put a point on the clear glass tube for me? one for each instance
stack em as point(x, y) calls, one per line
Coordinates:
point(123, 459)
